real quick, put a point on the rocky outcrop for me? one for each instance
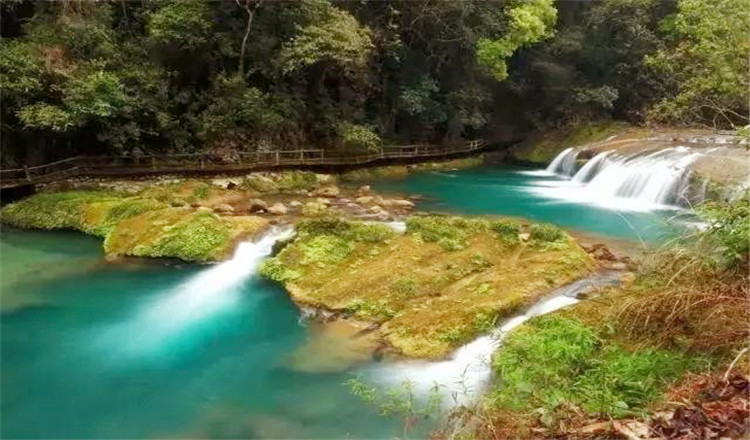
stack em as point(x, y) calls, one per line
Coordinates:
point(278, 209)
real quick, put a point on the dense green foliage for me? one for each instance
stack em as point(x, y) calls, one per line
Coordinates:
point(579, 368)
point(677, 61)
point(729, 227)
point(166, 75)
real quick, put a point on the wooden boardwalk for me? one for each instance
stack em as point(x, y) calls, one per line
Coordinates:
point(213, 163)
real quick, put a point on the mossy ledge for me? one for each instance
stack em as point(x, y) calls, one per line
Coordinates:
point(135, 225)
point(443, 282)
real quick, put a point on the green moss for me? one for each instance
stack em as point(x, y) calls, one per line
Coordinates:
point(274, 269)
point(356, 231)
point(462, 163)
point(429, 298)
point(373, 310)
point(325, 249)
point(543, 149)
point(554, 361)
point(201, 191)
point(257, 183)
point(404, 287)
point(195, 239)
point(314, 209)
point(296, 180)
point(61, 210)
point(102, 217)
point(179, 233)
point(451, 233)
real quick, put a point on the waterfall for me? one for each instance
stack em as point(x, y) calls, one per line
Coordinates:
point(201, 297)
point(591, 168)
point(637, 182)
point(565, 162)
point(467, 373)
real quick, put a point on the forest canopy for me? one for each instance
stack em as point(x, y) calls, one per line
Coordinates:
point(139, 77)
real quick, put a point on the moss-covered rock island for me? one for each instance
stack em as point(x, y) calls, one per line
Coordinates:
point(433, 288)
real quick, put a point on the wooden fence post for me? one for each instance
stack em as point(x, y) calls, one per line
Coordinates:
point(153, 163)
point(277, 157)
point(26, 171)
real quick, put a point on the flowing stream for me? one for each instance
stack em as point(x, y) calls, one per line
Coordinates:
point(162, 349)
point(463, 377)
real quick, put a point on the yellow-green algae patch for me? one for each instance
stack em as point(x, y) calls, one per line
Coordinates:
point(92, 212)
point(440, 284)
point(184, 233)
point(136, 225)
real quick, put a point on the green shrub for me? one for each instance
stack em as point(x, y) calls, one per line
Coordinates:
point(554, 361)
point(404, 287)
point(507, 231)
point(729, 226)
point(359, 137)
point(546, 232)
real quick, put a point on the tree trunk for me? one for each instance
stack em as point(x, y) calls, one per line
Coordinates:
point(250, 14)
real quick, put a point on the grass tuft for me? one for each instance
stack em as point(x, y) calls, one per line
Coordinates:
point(546, 232)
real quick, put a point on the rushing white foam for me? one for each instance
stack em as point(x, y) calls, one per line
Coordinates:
point(398, 227)
point(565, 162)
point(639, 182)
point(463, 377)
point(592, 167)
point(202, 296)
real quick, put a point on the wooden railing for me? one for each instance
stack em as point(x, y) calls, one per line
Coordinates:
point(216, 162)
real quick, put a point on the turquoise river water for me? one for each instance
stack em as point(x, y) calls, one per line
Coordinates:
point(99, 350)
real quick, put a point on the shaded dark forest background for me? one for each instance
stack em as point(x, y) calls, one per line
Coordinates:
point(152, 76)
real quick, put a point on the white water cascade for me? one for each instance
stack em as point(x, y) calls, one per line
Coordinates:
point(565, 162)
point(200, 297)
point(463, 377)
point(638, 182)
